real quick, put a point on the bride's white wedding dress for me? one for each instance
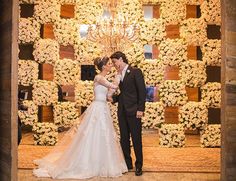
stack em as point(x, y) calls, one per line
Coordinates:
point(89, 149)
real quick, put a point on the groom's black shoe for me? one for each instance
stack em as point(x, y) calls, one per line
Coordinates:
point(138, 171)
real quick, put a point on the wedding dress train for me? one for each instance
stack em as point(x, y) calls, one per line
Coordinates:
point(89, 149)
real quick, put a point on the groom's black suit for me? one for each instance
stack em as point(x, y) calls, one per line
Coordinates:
point(130, 100)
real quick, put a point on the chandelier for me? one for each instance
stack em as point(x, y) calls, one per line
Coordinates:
point(112, 31)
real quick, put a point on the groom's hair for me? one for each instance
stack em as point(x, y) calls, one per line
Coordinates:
point(119, 54)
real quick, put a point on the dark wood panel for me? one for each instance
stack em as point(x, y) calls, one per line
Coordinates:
point(171, 115)
point(48, 31)
point(171, 73)
point(67, 52)
point(67, 11)
point(172, 31)
point(192, 93)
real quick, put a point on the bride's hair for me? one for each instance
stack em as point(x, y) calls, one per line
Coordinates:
point(100, 62)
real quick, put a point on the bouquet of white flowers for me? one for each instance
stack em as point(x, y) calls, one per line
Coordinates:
point(84, 93)
point(212, 52)
point(210, 136)
point(211, 11)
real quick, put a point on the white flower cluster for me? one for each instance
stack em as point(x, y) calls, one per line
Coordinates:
point(46, 51)
point(73, 2)
point(27, 72)
point(86, 51)
point(45, 92)
point(193, 30)
point(30, 116)
point(65, 114)
point(172, 135)
point(151, 2)
point(26, 1)
point(88, 11)
point(193, 115)
point(66, 31)
point(45, 134)
point(131, 10)
point(211, 11)
point(66, 72)
point(193, 73)
point(210, 136)
point(173, 51)
point(47, 11)
point(193, 2)
point(173, 93)
point(173, 12)
point(153, 71)
point(29, 30)
point(135, 54)
point(152, 31)
point(211, 94)
point(211, 51)
point(154, 115)
point(84, 93)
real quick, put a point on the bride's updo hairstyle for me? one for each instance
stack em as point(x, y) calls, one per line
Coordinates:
point(100, 62)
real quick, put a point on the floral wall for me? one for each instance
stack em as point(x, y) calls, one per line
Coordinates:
point(192, 115)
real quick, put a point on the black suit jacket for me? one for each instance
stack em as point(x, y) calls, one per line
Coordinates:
point(132, 92)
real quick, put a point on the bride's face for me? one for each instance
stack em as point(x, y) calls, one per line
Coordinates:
point(108, 66)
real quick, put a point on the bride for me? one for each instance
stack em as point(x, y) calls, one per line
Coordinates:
point(91, 148)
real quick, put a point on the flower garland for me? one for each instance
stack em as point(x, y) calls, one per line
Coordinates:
point(193, 115)
point(211, 11)
point(173, 93)
point(66, 31)
point(29, 30)
point(193, 30)
point(86, 51)
point(45, 92)
point(154, 115)
point(173, 12)
point(193, 73)
point(173, 52)
point(88, 11)
point(47, 12)
point(45, 134)
point(46, 51)
point(135, 54)
point(84, 93)
point(152, 31)
point(211, 94)
point(66, 72)
point(210, 136)
point(27, 72)
point(172, 135)
point(153, 71)
point(65, 114)
point(212, 52)
point(29, 117)
point(131, 10)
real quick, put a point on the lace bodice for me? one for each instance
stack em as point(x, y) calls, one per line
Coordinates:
point(101, 87)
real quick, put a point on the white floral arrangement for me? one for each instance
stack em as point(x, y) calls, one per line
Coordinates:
point(29, 30)
point(45, 92)
point(46, 51)
point(66, 31)
point(173, 12)
point(30, 116)
point(211, 51)
point(26, 1)
point(66, 72)
point(210, 136)
point(194, 2)
point(84, 93)
point(211, 94)
point(47, 12)
point(193, 30)
point(27, 72)
point(131, 10)
point(153, 71)
point(45, 134)
point(65, 114)
point(86, 51)
point(211, 11)
point(113, 109)
point(172, 135)
point(88, 11)
point(173, 52)
point(193, 115)
point(73, 2)
point(151, 2)
point(135, 54)
point(152, 31)
point(154, 115)
point(173, 93)
point(193, 73)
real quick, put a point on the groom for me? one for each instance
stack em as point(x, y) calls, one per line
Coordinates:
point(131, 106)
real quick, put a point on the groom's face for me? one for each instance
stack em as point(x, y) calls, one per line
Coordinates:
point(117, 63)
